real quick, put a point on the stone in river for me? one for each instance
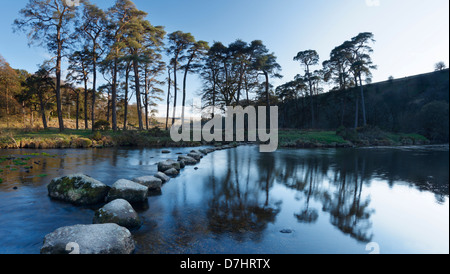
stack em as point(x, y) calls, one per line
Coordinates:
point(128, 190)
point(78, 189)
point(118, 212)
point(89, 239)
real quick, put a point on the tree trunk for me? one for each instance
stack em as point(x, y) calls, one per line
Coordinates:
point(42, 105)
point(168, 100)
point(184, 90)
point(175, 85)
point(363, 103)
point(146, 99)
point(78, 108)
point(108, 106)
point(58, 81)
point(125, 115)
point(311, 95)
point(94, 85)
point(267, 100)
point(114, 97)
point(86, 122)
point(138, 93)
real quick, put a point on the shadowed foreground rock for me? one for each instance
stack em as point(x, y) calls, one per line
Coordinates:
point(78, 189)
point(118, 212)
point(89, 239)
point(128, 190)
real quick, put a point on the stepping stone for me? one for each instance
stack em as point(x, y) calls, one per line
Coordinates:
point(153, 183)
point(78, 189)
point(118, 212)
point(163, 177)
point(89, 239)
point(128, 190)
point(172, 172)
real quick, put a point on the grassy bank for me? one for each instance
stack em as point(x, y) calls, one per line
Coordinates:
point(52, 138)
point(348, 138)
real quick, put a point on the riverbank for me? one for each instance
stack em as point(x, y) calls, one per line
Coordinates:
point(363, 137)
point(155, 138)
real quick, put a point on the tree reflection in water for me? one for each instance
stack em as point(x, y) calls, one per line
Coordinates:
point(235, 206)
point(337, 186)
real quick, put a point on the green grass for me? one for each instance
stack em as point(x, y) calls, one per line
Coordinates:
point(322, 137)
point(42, 175)
point(397, 137)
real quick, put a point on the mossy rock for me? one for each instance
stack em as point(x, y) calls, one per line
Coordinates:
point(78, 189)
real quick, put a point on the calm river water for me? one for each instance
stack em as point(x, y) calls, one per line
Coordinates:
point(240, 201)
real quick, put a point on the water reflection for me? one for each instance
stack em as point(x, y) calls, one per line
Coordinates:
point(236, 206)
point(239, 200)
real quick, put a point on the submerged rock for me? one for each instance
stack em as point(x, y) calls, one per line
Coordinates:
point(163, 177)
point(128, 190)
point(168, 164)
point(89, 239)
point(151, 182)
point(78, 189)
point(118, 212)
point(165, 152)
point(172, 172)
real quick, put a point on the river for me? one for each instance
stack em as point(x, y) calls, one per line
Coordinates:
point(240, 201)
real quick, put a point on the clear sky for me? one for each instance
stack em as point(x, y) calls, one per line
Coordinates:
point(412, 35)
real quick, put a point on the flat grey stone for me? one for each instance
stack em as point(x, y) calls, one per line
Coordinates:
point(151, 182)
point(128, 190)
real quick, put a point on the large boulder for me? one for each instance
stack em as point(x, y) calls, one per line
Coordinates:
point(187, 160)
point(163, 177)
point(78, 189)
point(172, 172)
point(153, 183)
point(89, 239)
point(118, 212)
point(128, 190)
point(168, 164)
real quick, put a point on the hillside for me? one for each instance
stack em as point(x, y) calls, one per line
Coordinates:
point(416, 104)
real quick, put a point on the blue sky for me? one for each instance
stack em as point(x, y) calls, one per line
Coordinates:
point(412, 35)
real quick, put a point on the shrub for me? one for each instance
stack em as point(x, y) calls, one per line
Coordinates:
point(102, 125)
point(97, 136)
